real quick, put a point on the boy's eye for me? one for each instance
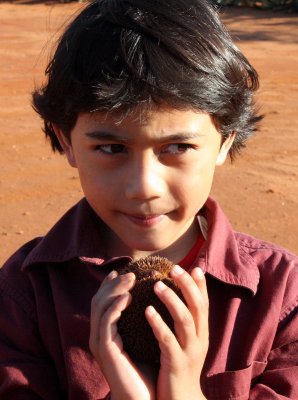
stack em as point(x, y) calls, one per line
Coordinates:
point(176, 148)
point(111, 148)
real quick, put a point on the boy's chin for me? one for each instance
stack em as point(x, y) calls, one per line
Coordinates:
point(145, 248)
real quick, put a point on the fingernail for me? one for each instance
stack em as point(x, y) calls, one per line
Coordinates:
point(112, 275)
point(177, 270)
point(160, 286)
point(129, 276)
point(198, 273)
point(151, 310)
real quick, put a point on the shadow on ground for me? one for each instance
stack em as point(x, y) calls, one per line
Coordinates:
point(263, 28)
point(263, 23)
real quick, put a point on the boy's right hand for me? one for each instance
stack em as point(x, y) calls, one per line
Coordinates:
point(125, 380)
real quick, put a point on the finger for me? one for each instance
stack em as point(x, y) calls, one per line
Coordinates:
point(191, 291)
point(108, 325)
point(184, 325)
point(114, 286)
point(169, 347)
point(199, 277)
point(105, 331)
point(112, 275)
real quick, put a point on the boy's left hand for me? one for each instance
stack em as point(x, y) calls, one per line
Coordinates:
point(183, 353)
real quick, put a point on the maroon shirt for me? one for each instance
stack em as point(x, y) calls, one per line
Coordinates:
point(46, 290)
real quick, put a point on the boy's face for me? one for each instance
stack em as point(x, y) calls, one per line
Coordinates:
point(147, 180)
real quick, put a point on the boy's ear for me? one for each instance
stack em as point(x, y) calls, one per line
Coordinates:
point(224, 150)
point(66, 146)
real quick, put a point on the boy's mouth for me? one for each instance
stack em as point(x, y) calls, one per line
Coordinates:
point(145, 220)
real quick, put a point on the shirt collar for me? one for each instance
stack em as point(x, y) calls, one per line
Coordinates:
point(80, 234)
point(222, 255)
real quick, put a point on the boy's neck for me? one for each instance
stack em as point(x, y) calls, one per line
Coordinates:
point(175, 252)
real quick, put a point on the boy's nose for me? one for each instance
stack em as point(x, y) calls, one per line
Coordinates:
point(145, 181)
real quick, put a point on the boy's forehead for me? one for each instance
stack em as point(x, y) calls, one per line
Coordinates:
point(143, 116)
point(139, 114)
point(159, 122)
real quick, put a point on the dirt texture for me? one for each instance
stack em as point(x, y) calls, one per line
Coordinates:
point(259, 191)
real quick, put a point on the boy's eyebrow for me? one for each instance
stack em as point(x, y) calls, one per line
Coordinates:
point(176, 137)
point(103, 135)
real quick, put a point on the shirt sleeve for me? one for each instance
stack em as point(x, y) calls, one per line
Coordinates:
point(26, 370)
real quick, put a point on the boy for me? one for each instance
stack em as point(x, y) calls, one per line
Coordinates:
point(146, 98)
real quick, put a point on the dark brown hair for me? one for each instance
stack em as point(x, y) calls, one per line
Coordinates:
point(117, 55)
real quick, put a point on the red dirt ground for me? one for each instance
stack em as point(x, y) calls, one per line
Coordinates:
point(259, 192)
